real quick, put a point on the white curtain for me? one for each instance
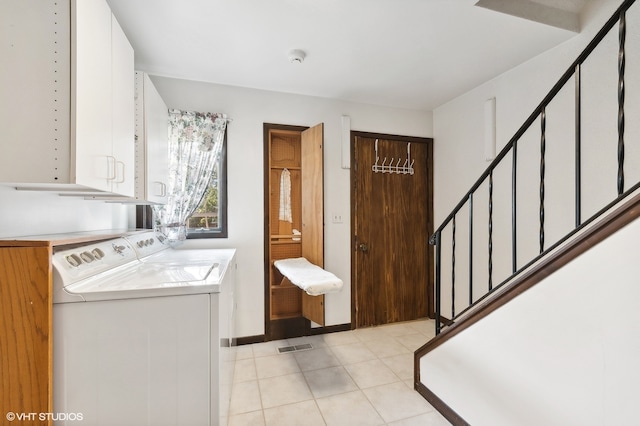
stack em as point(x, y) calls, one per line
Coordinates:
point(195, 142)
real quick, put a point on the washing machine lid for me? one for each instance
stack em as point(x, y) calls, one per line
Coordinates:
point(149, 280)
point(135, 266)
point(177, 257)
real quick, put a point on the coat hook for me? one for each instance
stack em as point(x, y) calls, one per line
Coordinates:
point(393, 166)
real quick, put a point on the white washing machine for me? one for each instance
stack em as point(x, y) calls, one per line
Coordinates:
point(143, 332)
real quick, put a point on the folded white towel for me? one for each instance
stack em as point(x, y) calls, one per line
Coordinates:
point(309, 277)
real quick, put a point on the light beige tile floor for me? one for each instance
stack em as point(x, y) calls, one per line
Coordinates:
point(360, 377)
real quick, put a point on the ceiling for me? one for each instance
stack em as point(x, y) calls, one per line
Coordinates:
point(415, 54)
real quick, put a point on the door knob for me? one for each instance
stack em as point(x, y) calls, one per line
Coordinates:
point(363, 248)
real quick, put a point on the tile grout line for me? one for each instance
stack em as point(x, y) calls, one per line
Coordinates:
point(255, 366)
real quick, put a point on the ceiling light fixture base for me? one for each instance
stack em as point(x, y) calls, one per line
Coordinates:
point(296, 56)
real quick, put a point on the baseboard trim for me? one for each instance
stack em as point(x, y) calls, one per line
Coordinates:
point(248, 340)
point(330, 329)
point(453, 417)
point(260, 338)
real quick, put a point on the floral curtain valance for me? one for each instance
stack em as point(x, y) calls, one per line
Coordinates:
point(195, 142)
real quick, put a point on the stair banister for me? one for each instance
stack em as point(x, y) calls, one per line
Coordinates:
point(574, 71)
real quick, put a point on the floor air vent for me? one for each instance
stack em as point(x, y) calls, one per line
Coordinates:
point(295, 348)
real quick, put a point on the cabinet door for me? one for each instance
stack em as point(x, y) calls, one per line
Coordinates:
point(157, 140)
point(123, 103)
point(94, 163)
point(313, 213)
point(34, 94)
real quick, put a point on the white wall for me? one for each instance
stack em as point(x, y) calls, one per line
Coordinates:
point(544, 359)
point(36, 213)
point(249, 109)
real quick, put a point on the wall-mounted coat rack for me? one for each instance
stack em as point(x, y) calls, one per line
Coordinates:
point(405, 169)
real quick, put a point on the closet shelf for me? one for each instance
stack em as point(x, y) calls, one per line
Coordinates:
point(285, 167)
point(294, 237)
point(285, 316)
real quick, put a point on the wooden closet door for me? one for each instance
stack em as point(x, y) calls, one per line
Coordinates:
point(313, 213)
point(392, 272)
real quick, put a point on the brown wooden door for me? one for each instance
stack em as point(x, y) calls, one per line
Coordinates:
point(391, 222)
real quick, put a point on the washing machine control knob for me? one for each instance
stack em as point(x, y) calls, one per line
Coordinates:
point(74, 260)
point(97, 253)
point(87, 257)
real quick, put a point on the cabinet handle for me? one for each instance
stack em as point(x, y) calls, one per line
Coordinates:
point(123, 168)
point(111, 167)
point(163, 189)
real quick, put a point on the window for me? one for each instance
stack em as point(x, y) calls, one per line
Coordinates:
point(210, 218)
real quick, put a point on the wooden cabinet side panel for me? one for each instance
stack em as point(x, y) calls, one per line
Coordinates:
point(25, 330)
point(313, 308)
point(313, 213)
point(312, 195)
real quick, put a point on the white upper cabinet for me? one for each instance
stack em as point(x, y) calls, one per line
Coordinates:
point(123, 106)
point(67, 107)
point(152, 142)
